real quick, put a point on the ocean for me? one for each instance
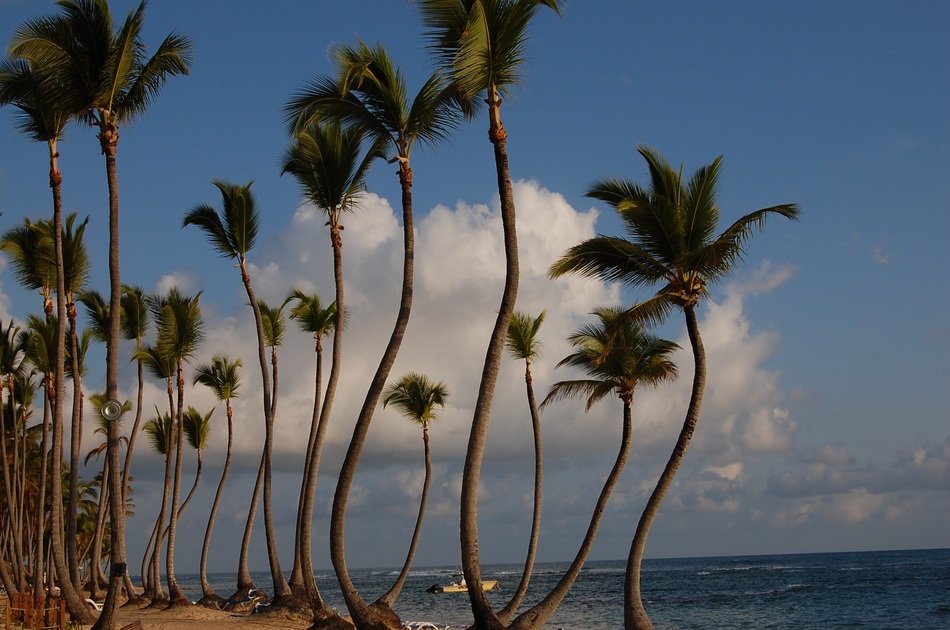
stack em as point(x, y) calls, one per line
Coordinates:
point(879, 590)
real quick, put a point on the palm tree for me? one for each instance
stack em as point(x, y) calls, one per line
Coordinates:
point(197, 429)
point(163, 367)
point(221, 377)
point(179, 331)
point(108, 78)
point(312, 317)
point(325, 159)
point(233, 234)
point(523, 344)
point(13, 349)
point(481, 44)
point(417, 398)
point(672, 242)
point(370, 94)
point(617, 355)
point(161, 433)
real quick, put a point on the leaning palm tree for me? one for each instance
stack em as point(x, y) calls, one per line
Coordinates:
point(671, 227)
point(221, 377)
point(417, 398)
point(197, 428)
point(161, 433)
point(326, 160)
point(369, 93)
point(522, 343)
point(107, 77)
point(618, 355)
point(233, 233)
point(481, 43)
point(179, 332)
point(312, 317)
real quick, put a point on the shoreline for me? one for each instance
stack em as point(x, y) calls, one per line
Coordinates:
point(190, 617)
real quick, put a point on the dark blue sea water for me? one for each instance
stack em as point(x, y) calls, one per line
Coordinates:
point(883, 589)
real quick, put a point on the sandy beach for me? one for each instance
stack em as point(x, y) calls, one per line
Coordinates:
point(192, 617)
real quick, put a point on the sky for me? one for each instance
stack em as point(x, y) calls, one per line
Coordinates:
point(825, 424)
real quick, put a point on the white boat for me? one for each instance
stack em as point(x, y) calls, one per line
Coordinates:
point(459, 586)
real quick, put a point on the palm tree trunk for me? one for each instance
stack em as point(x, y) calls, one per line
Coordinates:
point(280, 584)
point(175, 595)
point(95, 548)
point(634, 613)
point(354, 603)
point(108, 139)
point(74, 602)
point(538, 615)
point(244, 581)
point(207, 591)
point(318, 428)
point(38, 567)
point(75, 455)
point(390, 597)
point(281, 588)
point(511, 608)
point(130, 449)
point(485, 618)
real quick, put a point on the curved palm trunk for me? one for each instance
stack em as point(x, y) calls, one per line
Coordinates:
point(377, 616)
point(319, 423)
point(75, 456)
point(74, 602)
point(505, 614)
point(39, 569)
point(157, 594)
point(209, 597)
point(96, 578)
point(634, 613)
point(536, 616)
point(244, 581)
point(109, 139)
point(390, 597)
point(176, 596)
point(127, 467)
point(485, 617)
point(281, 588)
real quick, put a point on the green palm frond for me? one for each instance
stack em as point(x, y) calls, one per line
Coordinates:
point(522, 340)
point(233, 232)
point(178, 324)
point(135, 314)
point(97, 314)
point(416, 397)
point(160, 431)
point(221, 376)
point(310, 314)
point(197, 428)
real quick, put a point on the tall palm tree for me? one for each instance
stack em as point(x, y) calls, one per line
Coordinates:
point(161, 366)
point(326, 160)
point(671, 226)
point(522, 343)
point(481, 43)
point(179, 332)
point(312, 317)
point(221, 376)
point(416, 397)
point(13, 349)
point(369, 93)
point(233, 233)
point(109, 79)
point(618, 355)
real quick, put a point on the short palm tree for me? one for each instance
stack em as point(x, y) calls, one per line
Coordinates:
point(481, 45)
point(671, 226)
point(221, 376)
point(161, 435)
point(419, 400)
point(233, 233)
point(522, 343)
point(369, 93)
point(107, 78)
point(618, 355)
point(318, 320)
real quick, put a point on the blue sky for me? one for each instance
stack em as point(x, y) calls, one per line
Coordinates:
point(826, 423)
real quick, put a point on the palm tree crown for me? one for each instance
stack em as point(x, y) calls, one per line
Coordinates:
point(672, 227)
point(416, 397)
